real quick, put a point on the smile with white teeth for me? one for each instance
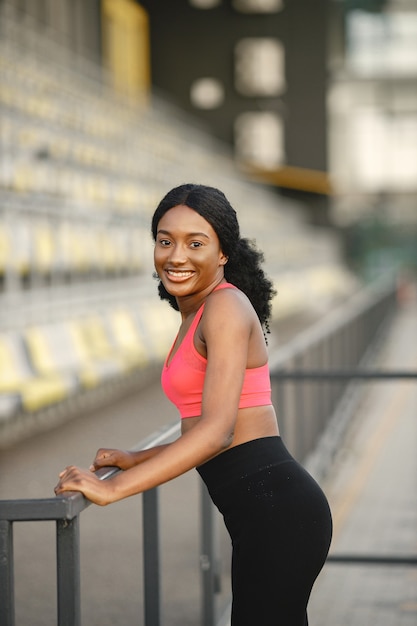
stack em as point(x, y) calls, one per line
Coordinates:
point(179, 273)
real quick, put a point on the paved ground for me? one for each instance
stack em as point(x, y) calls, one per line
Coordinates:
point(372, 489)
point(373, 494)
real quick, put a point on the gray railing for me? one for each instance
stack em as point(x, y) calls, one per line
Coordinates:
point(66, 510)
point(342, 341)
point(315, 382)
point(339, 345)
point(348, 375)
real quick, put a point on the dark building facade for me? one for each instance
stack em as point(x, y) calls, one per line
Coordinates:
point(255, 71)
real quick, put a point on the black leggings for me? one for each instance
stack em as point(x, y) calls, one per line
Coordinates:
point(280, 524)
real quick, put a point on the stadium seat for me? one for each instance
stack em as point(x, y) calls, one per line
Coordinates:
point(44, 249)
point(21, 251)
point(69, 354)
point(98, 344)
point(77, 249)
point(95, 368)
point(17, 376)
point(5, 249)
point(161, 324)
point(108, 252)
point(46, 355)
point(127, 337)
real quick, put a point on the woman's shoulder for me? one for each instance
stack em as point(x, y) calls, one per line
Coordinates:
point(228, 303)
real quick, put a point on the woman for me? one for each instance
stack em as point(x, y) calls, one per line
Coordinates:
point(217, 375)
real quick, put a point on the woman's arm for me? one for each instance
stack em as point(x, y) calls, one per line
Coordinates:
point(124, 459)
point(190, 450)
point(226, 331)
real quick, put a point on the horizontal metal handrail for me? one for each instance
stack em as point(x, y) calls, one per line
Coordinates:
point(348, 374)
point(373, 559)
point(64, 507)
point(70, 504)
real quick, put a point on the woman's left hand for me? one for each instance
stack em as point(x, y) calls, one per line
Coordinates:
point(75, 479)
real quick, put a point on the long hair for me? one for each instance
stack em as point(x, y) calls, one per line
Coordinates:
point(243, 268)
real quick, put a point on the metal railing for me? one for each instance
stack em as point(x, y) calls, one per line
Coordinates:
point(343, 341)
point(340, 344)
point(303, 391)
point(349, 376)
point(66, 511)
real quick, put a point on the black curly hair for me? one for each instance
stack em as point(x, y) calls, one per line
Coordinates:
point(243, 268)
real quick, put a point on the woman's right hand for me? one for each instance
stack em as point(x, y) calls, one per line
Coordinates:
point(108, 457)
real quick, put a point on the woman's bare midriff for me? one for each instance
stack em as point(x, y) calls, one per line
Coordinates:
point(251, 423)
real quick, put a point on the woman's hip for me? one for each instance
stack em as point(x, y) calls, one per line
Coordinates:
point(261, 478)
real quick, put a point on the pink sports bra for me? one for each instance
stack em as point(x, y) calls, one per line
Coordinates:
point(183, 378)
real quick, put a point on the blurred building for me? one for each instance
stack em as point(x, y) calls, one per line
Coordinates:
point(255, 72)
point(372, 104)
point(275, 79)
point(373, 110)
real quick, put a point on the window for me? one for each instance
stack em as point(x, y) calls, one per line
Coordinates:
point(259, 139)
point(204, 4)
point(383, 43)
point(207, 93)
point(258, 6)
point(259, 67)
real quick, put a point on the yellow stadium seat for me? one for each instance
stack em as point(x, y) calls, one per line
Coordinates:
point(98, 342)
point(108, 252)
point(40, 346)
point(161, 324)
point(128, 337)
point(44, 248)
point(78, 249)
point(5, 249)
point(21, 252)
point(17, 377)
point(62, 347)
point(95, 368)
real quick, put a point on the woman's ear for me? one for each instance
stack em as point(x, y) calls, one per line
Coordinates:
point(223, 259)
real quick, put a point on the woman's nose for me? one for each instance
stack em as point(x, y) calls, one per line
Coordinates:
point(177, 254)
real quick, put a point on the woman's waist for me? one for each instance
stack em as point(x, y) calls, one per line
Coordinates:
point(242, 461)
point(251, 423)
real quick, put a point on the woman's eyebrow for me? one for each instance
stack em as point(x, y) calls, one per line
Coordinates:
point(197, 234)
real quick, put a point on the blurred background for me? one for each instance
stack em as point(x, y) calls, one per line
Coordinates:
point(305, 114)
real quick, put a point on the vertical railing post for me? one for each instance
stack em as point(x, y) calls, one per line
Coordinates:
point(68, 571)
point(7, 617)
point(279, 391)
point(207, 558)
point(151, 564)
point(299, 388)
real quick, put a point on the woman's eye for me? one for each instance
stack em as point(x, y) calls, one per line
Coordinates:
point(164, 242)
point(195, 244)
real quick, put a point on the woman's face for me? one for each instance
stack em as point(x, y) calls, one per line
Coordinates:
point(187, 255)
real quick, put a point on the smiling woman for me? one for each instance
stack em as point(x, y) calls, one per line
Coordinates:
point(217, 375)
point(188, 258)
